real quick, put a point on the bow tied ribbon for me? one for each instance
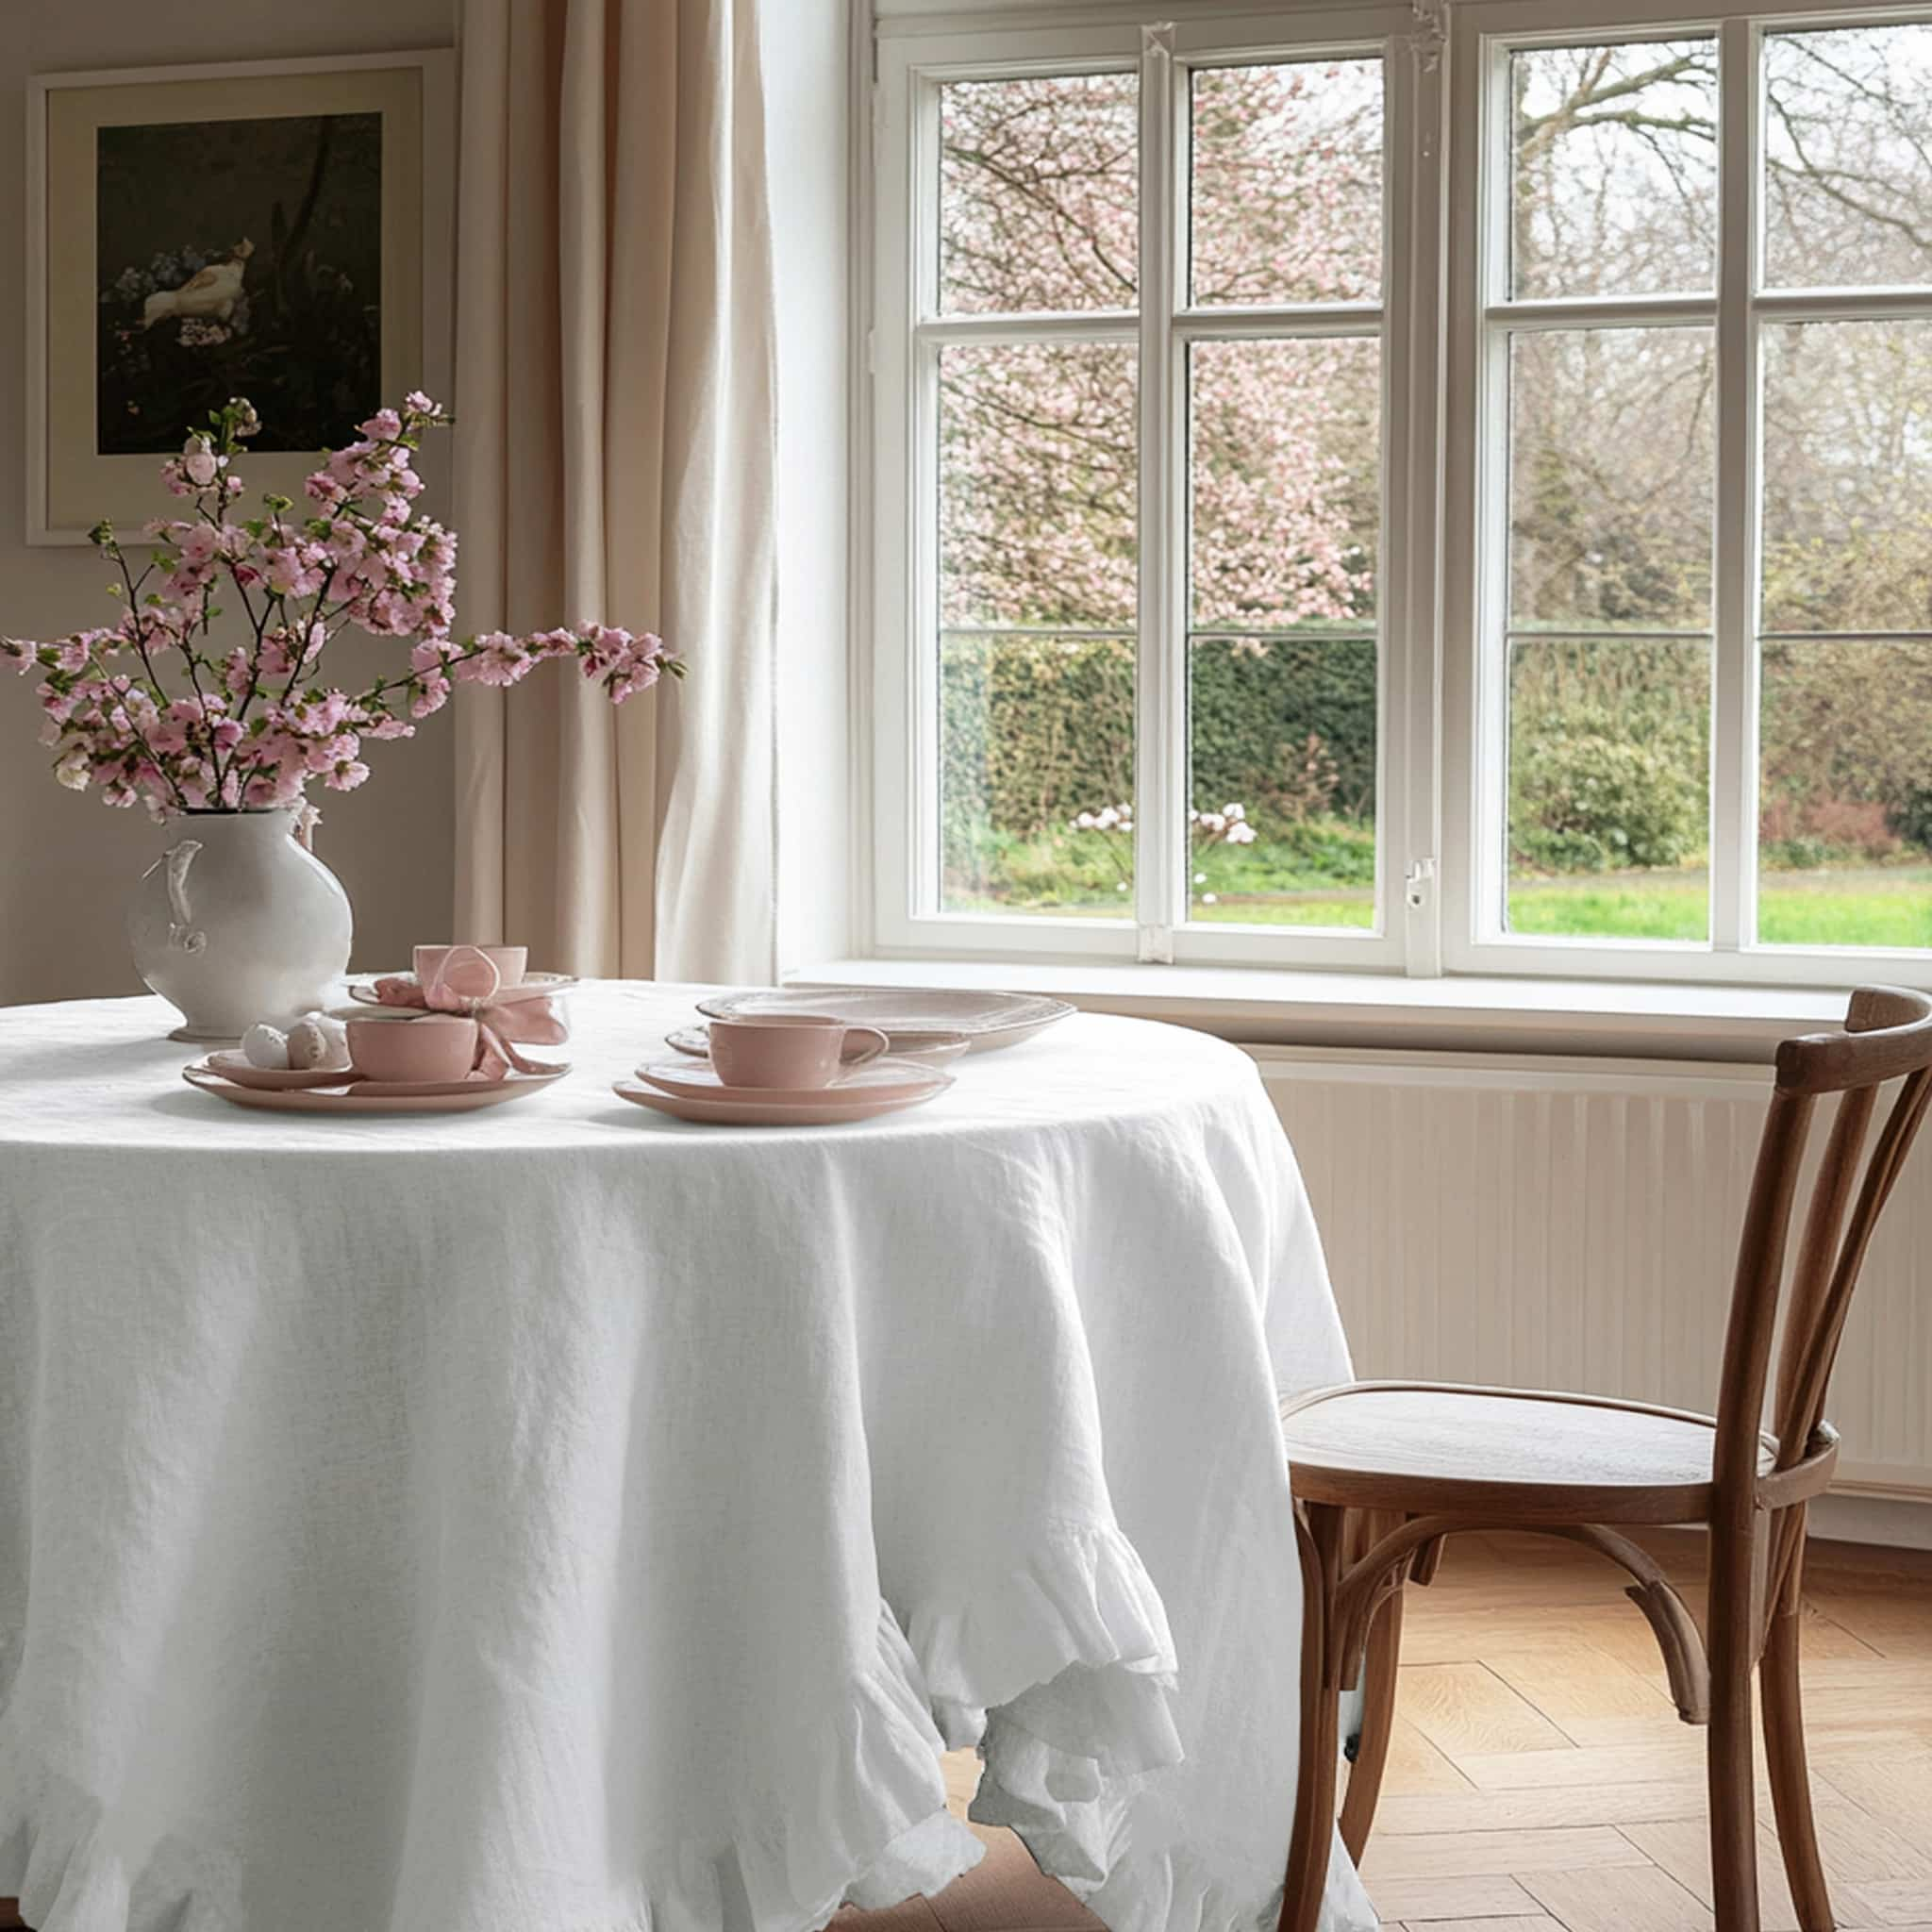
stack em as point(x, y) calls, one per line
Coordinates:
point(466, 981)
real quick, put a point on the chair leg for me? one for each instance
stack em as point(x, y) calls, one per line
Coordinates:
point(1314, 1812)
point(1789, 1771)
point(1731, 1756)
point(1379, 1723)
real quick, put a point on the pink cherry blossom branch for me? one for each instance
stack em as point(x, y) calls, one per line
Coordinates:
point(365, 558)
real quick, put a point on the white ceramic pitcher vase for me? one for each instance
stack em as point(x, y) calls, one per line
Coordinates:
point(238, 921)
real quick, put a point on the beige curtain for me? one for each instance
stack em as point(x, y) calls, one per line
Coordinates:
point(614, 453)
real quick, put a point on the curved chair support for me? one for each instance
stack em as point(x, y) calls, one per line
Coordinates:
point(1318, 1542)
point(1370, 1757)
point(1669, 1617)
point(1368, 1582)
point(1428, 1559)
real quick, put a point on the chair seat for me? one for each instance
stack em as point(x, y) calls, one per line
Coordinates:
point(1528, 1455)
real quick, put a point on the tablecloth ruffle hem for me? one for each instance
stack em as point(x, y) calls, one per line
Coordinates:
point(1082, 1632)
point(1063, 1673)
point(866, 1829)
point(72, 1870)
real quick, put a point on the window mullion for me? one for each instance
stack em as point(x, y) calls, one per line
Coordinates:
point(1411, 820)
point(1734, 695)
point(1160, 663)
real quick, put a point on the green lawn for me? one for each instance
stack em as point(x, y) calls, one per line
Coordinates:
point(1325, 880)
point(1851, 907)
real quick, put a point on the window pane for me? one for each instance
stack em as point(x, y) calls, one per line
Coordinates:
point(1287, 184)
point(1845, 799)
point(1614, 169)
point(1036, 194)
point(1284, 489)
point(1610, 479)
point(1609, 759)
point(1847, 445)
point(1848, 156)
point(1037, 622)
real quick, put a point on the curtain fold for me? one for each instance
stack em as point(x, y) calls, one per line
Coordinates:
point(615, 449)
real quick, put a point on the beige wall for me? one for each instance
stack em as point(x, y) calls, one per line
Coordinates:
point(66, 861)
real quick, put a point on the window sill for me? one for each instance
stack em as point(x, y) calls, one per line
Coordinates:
point(1585, 1017)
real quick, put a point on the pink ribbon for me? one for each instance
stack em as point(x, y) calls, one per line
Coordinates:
point(467, 982)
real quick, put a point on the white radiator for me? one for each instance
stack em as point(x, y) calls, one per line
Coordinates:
point(1572, 1223)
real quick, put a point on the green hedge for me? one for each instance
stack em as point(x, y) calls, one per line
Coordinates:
point(1608, 747)
point(1035, 729)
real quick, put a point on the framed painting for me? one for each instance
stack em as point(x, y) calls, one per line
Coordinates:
point(274, 229)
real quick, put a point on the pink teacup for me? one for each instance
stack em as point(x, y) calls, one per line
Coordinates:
point(794, 1050)
point(398, 1046)
point(469, 972)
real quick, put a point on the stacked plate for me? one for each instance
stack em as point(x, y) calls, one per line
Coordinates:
point(689, 1090)
point(925, 1030)
point(934, 1028)
point(230, 1075)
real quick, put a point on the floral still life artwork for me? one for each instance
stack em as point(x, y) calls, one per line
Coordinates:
point(208, 693)
point(238, 258)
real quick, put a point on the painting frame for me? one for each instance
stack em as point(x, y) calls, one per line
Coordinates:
point(70, 484)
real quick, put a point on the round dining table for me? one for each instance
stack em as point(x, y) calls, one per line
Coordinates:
point(566, 1517)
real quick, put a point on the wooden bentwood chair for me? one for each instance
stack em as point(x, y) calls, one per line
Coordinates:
point(1384, 1471)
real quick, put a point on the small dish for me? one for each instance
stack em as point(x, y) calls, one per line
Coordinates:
point(825, 1107)
point(880, 1079)
point(350, 1095)
point(231, 1063)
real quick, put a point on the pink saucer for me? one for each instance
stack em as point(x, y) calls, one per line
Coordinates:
point(886, 1079)
point(351, 1095)
point(822, 1106)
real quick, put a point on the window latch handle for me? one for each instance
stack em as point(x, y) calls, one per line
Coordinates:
point(1418, 876)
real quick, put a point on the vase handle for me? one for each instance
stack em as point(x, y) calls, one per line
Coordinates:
point(181, 930)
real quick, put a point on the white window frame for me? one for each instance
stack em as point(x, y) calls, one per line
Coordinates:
point(1439, 833)
point(905, 338)
point(1482, 316)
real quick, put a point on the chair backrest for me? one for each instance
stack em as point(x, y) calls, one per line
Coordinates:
point(1888, 1037)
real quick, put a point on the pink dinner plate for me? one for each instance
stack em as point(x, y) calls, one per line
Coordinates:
point(233, 1064)
point(881, 1080)
point(349, 1095)
point(930, 1050)
point(828, 1107)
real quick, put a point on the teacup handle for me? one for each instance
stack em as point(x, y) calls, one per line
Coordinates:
point(871, 1044)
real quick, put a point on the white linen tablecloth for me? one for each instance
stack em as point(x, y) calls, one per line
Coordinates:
point(563, 1518)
